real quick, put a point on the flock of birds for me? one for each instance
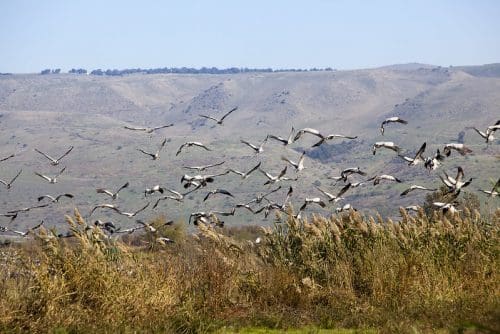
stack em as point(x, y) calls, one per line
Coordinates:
point(261, 202)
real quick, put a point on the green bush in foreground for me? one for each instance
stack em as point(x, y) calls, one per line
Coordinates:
point(347, 271)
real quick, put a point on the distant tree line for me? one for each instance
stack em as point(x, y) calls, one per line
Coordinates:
point(182, 70)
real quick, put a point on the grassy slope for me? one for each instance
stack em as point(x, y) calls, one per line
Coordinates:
point(53, 112)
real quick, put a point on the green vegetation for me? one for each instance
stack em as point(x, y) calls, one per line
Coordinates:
point(348, 271)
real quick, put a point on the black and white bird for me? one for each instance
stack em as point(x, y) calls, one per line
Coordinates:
point(445, 207)
point(146, 129)
point(263, 196)
point(313, 200)
point(154, 189)
point(55, 162)
point(487, 136)
point(376, 179)
point(116, 209)
point(455, 184)
point(245, 175)
point(284, 141)
point(432, 163)
point(299, 165)
point(349, 171)
point(155, 155)
point(217, 191)
point(9, 184)
point(202, 180)
point(22, 233)
point(417, 159)
point(332, 136)
point(28, 208)
point(219, 121)
point(338, 196)
point(56, 198)
point(51, 180)
point(415, 187)
point(113, 195)
point(345, 207)
point(391, 120)
point(7, 157)
point(176, 196)
point(311, 131)
point(257, 149)
point(273, 179)
point(493, 192)
point(189, 144)
point(385, 144)
point(460, 148)
point(204, 167)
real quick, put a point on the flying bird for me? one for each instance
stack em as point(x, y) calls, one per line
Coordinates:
point(299, 165)
point(219, 121)
point(493, 192)
point(156, 154)
point(284, 141)
point(245, 175)
point(273, 179)
point(55, 162)
point(338, 197)
point(349, 171)
point(446, 207)
point(51, 180)
point(391, 120)
point(311, 131)
point(460, 148)
point(455, 184)
point(9, 184)
point(113, 195)
point(204, 167)
point(315, 200)
point(257, 149)
point(217, 191)
point(376, 179)
point(152, 190)
point(417, 159)
point(415, 187)
point(146, 129)
point(385, 144)
point(55, 199)
point(189, 144)
point(26, 209)
point(332, 136)
point(7, 157)
point(432, 163)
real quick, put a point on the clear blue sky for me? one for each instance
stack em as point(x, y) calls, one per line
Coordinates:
point(36, 34)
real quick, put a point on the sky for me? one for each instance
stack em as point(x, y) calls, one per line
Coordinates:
point(92, 34)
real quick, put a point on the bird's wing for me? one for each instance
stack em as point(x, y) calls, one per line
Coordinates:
point(180, 149)
point(280, 139)
point(104, 191)
point(343, 190)
point(66, 153)
point(460, 174)
point(7, 157)
point(122, 187)
point(282, 173)
point(201, 145)
point(326, 193)
point(209, 117)
point(249, 144)
point(162, 127)
point(45, 155)
point(64, 195)
point(141, 209)
point(60, 172)
point(162, 144)
point(15, 177)
point(147, 153)
point(421, 150)
point(407, 191)
point(43, 176)
point(402, 121)
point(227, 114)
point(253, 169)
point(134, 128)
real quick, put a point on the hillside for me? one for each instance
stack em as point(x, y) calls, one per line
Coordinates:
point(53, 112)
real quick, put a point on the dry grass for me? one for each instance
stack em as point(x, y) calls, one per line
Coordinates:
point(347, 271)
